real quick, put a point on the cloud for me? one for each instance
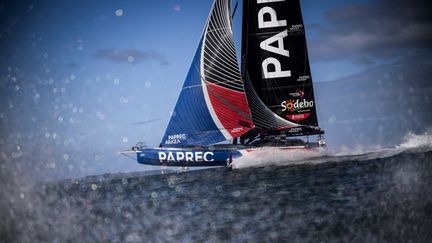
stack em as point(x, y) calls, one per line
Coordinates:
point(131, 56)
point(385, 30)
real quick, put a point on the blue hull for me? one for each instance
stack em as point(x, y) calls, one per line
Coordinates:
point(186, 156)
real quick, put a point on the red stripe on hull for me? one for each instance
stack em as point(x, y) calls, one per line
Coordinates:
point(227, 104)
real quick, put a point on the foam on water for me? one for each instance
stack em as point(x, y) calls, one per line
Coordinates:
point(273, 156)
point(417, 141)
point(277, 157)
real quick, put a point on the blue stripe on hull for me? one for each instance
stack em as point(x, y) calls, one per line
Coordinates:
point(186, 157)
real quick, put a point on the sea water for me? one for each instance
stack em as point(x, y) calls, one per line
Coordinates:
point(382, 195)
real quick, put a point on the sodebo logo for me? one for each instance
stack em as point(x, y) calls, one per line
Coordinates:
point(295, 105)
point(186, 157)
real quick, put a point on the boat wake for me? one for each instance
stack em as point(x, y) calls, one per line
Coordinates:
point(275, 157)
point(413, 141)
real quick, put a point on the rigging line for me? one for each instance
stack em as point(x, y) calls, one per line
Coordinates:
point(226, 76)
point(190, 87)
point(235, 9)
point(219, 53)
point(217, 79)
point(221, 14)
point(223, 38)
point(221, 11)
point(226, 69)
point(216, 53)
point(216, 17)
point(217, 29)
point(220, 23)
point(227, 16)
point(221, 70)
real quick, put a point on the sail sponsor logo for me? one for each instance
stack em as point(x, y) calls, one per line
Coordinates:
point(296, 28)
point(295, 130)
point(175, 139)
point(304, 78)
point(186, 157)
point(268, 19)
point(296, 105)
point(237, 129)
point(299, 117)
point(297, 94)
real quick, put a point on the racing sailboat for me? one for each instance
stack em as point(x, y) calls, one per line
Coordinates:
point(265, 102)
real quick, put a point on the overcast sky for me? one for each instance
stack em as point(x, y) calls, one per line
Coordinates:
point(103, 75)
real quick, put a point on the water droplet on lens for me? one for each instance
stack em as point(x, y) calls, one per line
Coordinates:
point(119, 12)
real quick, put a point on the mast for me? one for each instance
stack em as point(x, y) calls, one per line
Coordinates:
point(275, 67)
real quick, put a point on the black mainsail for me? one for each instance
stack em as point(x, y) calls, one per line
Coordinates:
point(275, 67)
